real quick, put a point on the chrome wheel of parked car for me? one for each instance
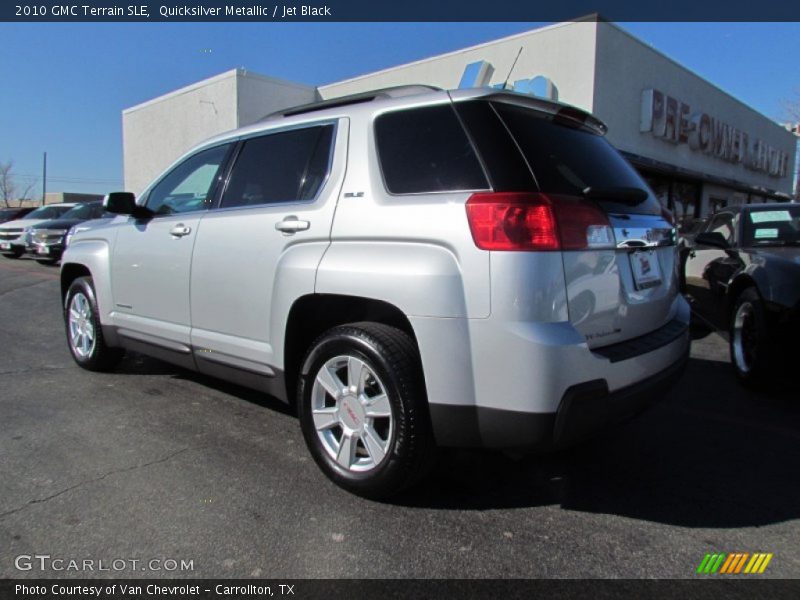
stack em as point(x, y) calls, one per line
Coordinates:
point(749, 347)
point(352, 413)
point(81, 327)
point(744, 337)
point(363, 410)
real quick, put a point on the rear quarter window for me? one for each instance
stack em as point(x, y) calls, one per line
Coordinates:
point(426, 150)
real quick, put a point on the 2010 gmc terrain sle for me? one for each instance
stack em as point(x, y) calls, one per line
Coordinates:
point(413, 267)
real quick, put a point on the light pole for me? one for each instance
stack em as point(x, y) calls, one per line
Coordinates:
point(44, 179)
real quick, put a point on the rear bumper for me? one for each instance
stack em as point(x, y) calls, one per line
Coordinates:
point(584, 409)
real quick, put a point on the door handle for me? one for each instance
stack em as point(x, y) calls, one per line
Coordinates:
point(292, 224)
point(180, 230)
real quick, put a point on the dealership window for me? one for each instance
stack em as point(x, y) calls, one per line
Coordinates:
point(288, 166)
point(716, 203)
point(684, 202)
point(679, 197)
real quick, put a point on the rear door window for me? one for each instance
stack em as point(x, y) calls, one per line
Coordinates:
point(288, 166)
point(426, 150)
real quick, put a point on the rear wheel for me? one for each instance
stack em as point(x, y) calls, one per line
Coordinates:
point(84, 332)
point(748, 338)
point(363, 409)
point(13, 254)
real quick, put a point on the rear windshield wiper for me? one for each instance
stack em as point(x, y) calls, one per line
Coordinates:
point(626, 195)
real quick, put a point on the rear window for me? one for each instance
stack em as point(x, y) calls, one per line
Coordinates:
point(426, 150)
point(567, 160)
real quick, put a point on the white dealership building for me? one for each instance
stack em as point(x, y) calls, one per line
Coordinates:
point(698, 146)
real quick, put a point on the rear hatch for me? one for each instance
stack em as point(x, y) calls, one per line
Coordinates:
point(621, 275)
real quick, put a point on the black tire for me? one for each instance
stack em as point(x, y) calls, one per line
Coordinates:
point(749, 339)
point(392, 357)
point(14, 254)
point(97, 355)
point(48, 263)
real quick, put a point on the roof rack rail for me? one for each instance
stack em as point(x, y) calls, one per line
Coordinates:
point(389, 92)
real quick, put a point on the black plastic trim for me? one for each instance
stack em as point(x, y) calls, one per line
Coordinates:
point(584, 409)
point(644, 343)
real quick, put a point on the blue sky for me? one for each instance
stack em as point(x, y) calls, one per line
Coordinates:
point(65, 85)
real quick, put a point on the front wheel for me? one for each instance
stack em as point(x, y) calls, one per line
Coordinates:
point(84, 332)
point(363, 410)
point(13, 254)
point(749, 346)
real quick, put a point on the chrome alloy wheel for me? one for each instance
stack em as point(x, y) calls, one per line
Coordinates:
point(352, 413)
point(81, 326)
point(745, 337)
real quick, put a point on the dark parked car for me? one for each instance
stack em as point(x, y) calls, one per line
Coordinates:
point(47, 240)
point(9, 214)
point(743, 276)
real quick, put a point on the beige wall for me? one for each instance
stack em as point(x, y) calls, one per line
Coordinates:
point(563, 53)
point(158, 132)
point(626, 66)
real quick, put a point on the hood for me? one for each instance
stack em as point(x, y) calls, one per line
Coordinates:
point(782, 253)
point(64, 224)
point(22, 223)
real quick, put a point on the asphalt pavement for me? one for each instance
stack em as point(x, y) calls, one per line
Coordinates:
point(154, 463)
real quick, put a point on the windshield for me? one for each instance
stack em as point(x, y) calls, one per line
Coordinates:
point(80, 212)
point(772, 226)
point(48, 212)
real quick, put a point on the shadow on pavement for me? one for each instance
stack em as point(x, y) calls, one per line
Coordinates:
point(139, 364)
point(711, 454)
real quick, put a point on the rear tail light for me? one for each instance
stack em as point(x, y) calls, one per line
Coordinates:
point(532, 221)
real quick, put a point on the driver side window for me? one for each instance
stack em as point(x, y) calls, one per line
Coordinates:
point(188, 186)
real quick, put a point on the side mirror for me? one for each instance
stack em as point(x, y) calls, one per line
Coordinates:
point(711, 238)
point(124, 203)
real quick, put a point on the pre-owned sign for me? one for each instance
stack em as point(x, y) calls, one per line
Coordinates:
point(672, 120)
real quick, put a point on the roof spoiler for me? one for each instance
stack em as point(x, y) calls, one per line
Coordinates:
point(389, 92)
point(564, 113)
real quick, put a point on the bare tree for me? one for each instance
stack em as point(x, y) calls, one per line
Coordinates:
point(9, 187)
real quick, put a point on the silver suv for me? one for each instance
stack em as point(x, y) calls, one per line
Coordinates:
point(410, 268)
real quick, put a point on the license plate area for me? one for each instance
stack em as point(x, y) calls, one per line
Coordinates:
point(5, 246)
point(645, 268)
point(43, 250)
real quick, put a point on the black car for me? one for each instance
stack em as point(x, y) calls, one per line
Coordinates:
point(743, 276)
point(46, 241)
point(10, 214)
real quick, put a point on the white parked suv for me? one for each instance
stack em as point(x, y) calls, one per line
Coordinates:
point(14, 235)
point(411, 268)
